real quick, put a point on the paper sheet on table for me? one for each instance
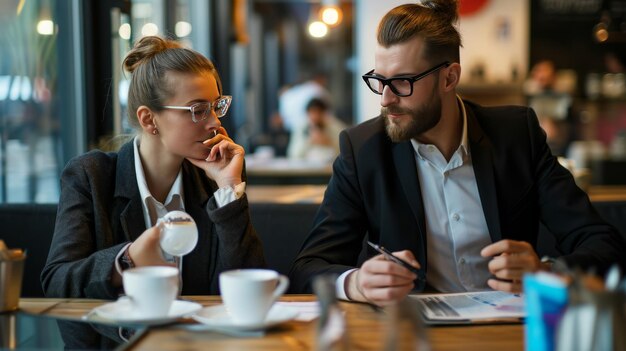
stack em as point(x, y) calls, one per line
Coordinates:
point(307, 310)
point(472, 306)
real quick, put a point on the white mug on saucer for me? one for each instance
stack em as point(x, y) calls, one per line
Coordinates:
point(151, 290)
point(248, 294)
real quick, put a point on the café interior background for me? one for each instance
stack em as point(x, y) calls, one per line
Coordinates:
point(63, 92)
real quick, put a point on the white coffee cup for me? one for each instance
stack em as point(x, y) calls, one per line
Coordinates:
point(151, 290)
point(248, 294)
point(179, 233)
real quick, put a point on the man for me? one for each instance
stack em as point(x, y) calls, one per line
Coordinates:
point(292, 101)
point(455, 189)
point(317, 138)
point(552, 105)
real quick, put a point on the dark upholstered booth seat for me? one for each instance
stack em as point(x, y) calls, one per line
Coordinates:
point(281, 227)
point(29, 227)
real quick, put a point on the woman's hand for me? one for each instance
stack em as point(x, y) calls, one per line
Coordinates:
point(225, 161)
point(146, 250)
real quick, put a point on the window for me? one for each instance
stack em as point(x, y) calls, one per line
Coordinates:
point(32, 76)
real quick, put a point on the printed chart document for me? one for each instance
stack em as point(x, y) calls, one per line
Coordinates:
point(471, 307)
point(307, 310)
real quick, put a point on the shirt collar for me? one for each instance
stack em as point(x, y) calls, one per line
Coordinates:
point(464, 146)
point(144, 192)
point(464, 142)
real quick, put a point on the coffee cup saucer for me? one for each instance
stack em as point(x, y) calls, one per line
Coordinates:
point(121, 312)
point(218, 317)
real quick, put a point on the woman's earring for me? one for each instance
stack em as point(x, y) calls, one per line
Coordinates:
point(155, 131)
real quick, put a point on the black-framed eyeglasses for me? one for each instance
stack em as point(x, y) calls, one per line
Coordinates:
point(400, 85)
point(202, 110)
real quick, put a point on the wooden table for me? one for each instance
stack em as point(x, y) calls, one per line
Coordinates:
point(607, 193)
point(366, 330)
point(286, 194)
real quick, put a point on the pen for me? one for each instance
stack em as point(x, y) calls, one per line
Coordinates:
point(388, 255)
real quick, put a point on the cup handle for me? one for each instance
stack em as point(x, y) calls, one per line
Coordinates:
point(130, 300)
point(283, 284)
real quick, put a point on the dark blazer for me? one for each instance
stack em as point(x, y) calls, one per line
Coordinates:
point(100, 211)
point(375, 190)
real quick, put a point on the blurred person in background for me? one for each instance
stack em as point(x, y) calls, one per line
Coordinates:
point(293, 100)
point(552, 105)
point(317, 138)
point(542, 78)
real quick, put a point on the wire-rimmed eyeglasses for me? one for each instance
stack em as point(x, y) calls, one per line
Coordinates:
point(400, 85)
point(202, 110)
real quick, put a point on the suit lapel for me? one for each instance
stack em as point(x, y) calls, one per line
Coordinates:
point(404, 160)
point(198, 261)
point(196, 196)
point(132, 224)
point(127, 199)
point(482, 159)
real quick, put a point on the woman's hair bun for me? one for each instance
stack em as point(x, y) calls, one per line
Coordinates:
point(448, 9)
point(145, 49)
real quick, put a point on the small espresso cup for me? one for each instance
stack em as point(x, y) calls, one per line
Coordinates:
point(248, 294)
point(151, 290)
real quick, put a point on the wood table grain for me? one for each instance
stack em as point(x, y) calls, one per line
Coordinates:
point(367, 329)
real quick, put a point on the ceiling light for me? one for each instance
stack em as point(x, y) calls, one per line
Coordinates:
point(149, 29)
point(182, 29)
point(318, 29)
point(331, 15)
point(124, 31)
point(45, 27)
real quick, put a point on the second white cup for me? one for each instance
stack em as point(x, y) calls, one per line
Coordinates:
point(152, 290)
point(248, 294)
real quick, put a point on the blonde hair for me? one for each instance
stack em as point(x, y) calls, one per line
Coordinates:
point(433, 21)
point(149, 61)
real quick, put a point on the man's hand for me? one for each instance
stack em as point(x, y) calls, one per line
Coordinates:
point(511, 259)
point(380, 281)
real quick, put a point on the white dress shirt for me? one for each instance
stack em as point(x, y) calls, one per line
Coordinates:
point(456, 227)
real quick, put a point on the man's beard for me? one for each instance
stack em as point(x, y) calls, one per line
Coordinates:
point(421, 120)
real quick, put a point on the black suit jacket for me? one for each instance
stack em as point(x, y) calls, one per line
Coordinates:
point(100, 211)
point(375, 190)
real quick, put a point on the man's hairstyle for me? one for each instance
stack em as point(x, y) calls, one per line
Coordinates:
point(433, 21)
point(318, 104)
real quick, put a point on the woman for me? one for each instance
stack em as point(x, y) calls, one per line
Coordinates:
point(181, 159)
